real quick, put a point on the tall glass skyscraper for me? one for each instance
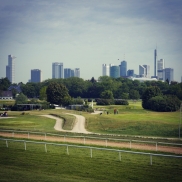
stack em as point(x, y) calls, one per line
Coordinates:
point(114, 71)
point(68, 73)
point(57, 70)
point(36, 75)
point(168, 73)
point(77, 72)
point(10, 69)
point(160, 67)
point(123, 68)
point(105, 70)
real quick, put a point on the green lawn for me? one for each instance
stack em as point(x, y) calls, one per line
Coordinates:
point(34, 164)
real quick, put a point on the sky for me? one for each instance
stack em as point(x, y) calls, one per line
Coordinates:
point(86, 34)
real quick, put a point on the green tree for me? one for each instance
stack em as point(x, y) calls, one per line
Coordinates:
point(21, 99)
point(4, 84)
point(107, 94)
point(57, 94)
point(134, 94)
point(148, 94)
point(43, 95)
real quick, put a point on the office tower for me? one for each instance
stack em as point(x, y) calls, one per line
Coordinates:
point(57, 70)
point(105, 70)
point(123, 68)
point(114, 71)
point(168, 74)
point(155, 60)
point(36, 75)
point(142, 71)
point(130, 73)
point(77, 72)
point(10, 69)
point(147, 71)
point(68, 73)
point(160, 67)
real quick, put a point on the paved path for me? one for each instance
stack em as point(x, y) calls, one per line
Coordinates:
point(79, 126)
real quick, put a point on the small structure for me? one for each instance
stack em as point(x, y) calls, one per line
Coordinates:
point(6, 95)
point(75, 107)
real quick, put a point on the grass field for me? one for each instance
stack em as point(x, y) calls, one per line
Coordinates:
point(34, 164)
point(130, 120)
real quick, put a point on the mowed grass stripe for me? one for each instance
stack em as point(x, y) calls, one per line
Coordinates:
point(35, 164)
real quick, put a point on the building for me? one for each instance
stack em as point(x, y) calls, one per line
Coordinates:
point(147, 71)
point(105, 70)
point(168, 73)
point(68, 73)
point(57, 70)
point(114, 71)
point(160, 67)
point(142, 71)
point(130, 73)
point(36, 75)
point(10, 69)
point(155, 61)
point(143, 79)
point(6, 95)
point(123, 68)
point(77, 72)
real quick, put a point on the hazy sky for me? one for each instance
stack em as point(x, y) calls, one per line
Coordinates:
point(85, 34)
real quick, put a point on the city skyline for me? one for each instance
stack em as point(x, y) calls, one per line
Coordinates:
point(86, 34)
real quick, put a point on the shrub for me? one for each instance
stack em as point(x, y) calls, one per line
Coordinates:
point(120, 102)
point(105, 101)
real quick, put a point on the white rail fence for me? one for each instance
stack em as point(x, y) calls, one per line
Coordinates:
point(90, 148)
point(130, 142)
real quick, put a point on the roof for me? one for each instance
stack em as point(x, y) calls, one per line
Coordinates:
point(6, 94)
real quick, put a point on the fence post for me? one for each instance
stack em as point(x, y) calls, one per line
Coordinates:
point(119, 155)
point(130, 144)
point(45, 148)
point(25, 145)
point(106, 142)
point(67, 150)
point(7, 143)
point(150, 159)
point(156, 146)
point(91, 152)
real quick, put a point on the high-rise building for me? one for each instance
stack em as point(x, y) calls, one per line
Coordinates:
point(123, 69)
point(147, 71)
point(36, 75)
point(57, 70)
point(114, 71)
point(168, 73)
point(10, 69)
point(130, 73)
point(105, 70)
point(155, 61)
point(68, 73)
point(142, 71)
point(160, 67)
point(77, 72)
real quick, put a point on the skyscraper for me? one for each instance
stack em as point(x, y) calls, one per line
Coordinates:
point(155, 60)
point(130, 73)
point(36, 75)
point(57, 70)
point(123, 68)
point(77, 72)
point(160, 67)
point(105, 70)
point(168, 74)
point(147, 71)
point(68, 73)
point(142, 71)
point(10, 69)
point(114, 71)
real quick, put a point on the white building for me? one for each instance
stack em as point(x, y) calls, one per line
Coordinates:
point(10, 69)
point(57, 70)
point(160, 67)
point(77, 72)
point(147, 71)
point(142, 71)
point(105, 70)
